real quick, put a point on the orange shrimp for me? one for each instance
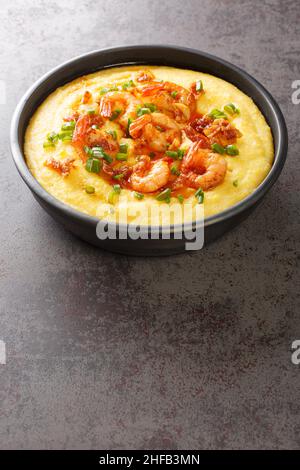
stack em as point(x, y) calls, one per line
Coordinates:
point(147, 176)
point(158, 130)
point(115, 100)
point(202, 168)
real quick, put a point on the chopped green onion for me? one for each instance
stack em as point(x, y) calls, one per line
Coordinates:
point(164, 195)
point(91, 111)
point(129, 122)
point(217, 114)
point(117, 188)
point(180, 198)
point(88, 150)
point(68, 126)
point(235, 183)
point(139, 195)
point(181, 153)
point(174, 94)
point(172, 154)
point(98, 152)
point(199, 194)
point(123, 148)
point(122, 157)
point(94, 126)
point(118, 177)
point(199, 85)
point(113, 134)
point(174, 170)
point(52, 137)
point(89, 189)
point(47, 144)
point(218, 148)
point(93, 165)
point(232, 150)
point(127, 85)
point(65, 136)
point(159, 128)
point(141, 111)
point(104, 90)
point(115, 114)
point(150, 106)
point(230, 108)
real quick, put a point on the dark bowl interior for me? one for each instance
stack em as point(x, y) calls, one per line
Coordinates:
point(84, 225)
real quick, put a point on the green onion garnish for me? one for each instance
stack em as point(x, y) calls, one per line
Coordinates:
point(199, 194)
point(199, 85)
point(180, 198)
point(118, 177)
point(123, 148)
point(217, 114)
point(139, 195)
point(172, 154)
point(98, 152)
point(164, 195)
point(218, 148)
point(94, 126)
point(232, 150)
point(52, 137)
point(127, 85)
point(93, 165)
point(65, 136)
point(117, 188)
point(181, 153)
point(235, 183)
point(47, 144)
point(150, 106)
point(91, 111)
point(113, 134)
point(89, 189)
point(122, 157)
point(104, 90)
point(174, 94)
point(174, 170)
point(115, 114)
point(230, 108)
point(68, 126)
point(141, 111)
point(128, 125)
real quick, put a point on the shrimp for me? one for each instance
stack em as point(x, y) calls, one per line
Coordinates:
point(85, 134)
point(175, 100)
point(114, 100)
point(222, 132)
point(203, 169)
point(147, 176)
point(158, 131)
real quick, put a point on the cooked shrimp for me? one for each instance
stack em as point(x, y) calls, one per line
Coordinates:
point(85, 134)
point(158, 130)
point(119, 100)
point(145, 76)
point(148, 176)
point(175, 100)
point(203, 169)
point(222, 132)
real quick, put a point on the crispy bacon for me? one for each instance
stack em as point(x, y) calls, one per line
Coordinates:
point(86, 97)
point(222, 132)
point(62, 167)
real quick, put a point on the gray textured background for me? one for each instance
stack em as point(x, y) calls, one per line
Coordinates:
point(192, 351)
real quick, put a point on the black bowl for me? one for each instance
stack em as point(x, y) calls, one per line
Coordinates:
point(84, 226)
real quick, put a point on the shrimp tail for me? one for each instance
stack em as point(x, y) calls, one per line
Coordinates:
point(105, 107)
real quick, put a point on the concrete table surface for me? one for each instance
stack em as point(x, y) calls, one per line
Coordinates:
point(191, 351)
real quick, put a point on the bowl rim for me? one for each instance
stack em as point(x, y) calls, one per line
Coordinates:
point(280, 153)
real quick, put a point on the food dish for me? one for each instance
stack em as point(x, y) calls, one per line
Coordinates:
point(84, 225)
point(141, 136)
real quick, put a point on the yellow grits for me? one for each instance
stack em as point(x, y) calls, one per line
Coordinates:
point(244, 173)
